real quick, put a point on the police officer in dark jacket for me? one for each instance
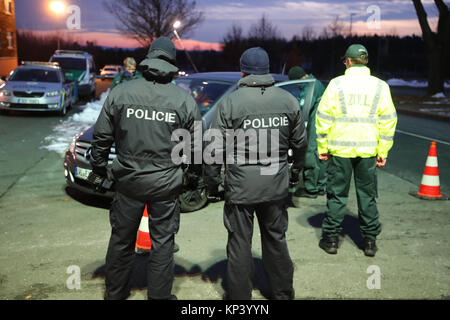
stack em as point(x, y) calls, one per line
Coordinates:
point(140, 116)
point(272, 121)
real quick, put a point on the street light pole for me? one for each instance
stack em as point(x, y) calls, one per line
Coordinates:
point(175, 26)
point(351, 23)
point(58, 7)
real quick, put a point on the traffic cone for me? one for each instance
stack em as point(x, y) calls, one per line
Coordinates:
point(430, 188)
point(143, 242)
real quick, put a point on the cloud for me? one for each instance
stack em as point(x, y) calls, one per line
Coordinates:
point(115, 39)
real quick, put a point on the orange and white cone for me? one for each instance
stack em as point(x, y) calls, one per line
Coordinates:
point(143, 242)
point(430, 188)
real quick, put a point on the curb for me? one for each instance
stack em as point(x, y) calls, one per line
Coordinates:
point(428, 115)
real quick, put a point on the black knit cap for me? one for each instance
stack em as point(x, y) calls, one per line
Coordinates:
point(255, 61)
point(296, 73)
point(164, 48)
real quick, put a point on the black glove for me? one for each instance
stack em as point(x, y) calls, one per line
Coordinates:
point(293, 180)
point(97, 181)
point(191, 180)
point(214, 194)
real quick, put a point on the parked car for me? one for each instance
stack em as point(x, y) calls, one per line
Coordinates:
point(110, 72)
point(37, 86)
point(207, 89)
point(78, 66)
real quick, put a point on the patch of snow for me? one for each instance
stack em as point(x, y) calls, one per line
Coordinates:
point(411, 83)
point(65, 131)
point(439, 95)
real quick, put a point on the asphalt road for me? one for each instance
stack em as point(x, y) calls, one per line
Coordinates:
point(49, 233)
point(412, 144)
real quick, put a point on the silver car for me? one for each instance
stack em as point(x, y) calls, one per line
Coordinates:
point(37, 86)
point(110, 72)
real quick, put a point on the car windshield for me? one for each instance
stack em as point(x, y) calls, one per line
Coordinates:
point(70, 63)
point(35, 75)
point(205, 92)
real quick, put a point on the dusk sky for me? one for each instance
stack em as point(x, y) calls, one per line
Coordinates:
point(290, 17)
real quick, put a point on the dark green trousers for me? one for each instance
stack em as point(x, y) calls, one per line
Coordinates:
point(314, 173)
point(339, 177)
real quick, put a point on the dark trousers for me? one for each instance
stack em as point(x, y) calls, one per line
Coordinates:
point(314, 173)
point(339, 177)
point(278, 266)
point(125, 216)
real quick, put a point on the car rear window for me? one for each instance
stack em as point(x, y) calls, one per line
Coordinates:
point(35, 75)
point(205, 92)
point(70, 63)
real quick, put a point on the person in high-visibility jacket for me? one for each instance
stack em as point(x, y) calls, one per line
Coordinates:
point(355, 125)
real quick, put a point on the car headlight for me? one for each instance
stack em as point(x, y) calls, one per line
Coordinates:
point(6, 93)
point(53, 94)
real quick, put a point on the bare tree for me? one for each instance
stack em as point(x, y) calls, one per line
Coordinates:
point(336, 27)
point(263, 30)
point(437, 44)
point(145, 20)
point(234, 34)
point(234, 45)
point(308, 33)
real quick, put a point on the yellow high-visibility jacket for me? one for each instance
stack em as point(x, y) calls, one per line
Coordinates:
point(356, 116)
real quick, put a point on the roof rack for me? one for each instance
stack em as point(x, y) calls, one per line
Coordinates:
point(71, 52)
point(41, 64)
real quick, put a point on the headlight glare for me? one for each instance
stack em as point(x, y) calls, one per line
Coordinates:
point(53, 94)
point(5, 93)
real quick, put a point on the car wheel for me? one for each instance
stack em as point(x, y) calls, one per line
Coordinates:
point(193, 200)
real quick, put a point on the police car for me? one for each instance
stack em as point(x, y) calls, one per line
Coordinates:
point(78, 66)
point(208, 89)
point(37, 86)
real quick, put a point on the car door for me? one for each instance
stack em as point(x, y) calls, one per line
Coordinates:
point(68, 88)
point(303, 91)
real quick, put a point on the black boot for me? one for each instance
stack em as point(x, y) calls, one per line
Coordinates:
point(329, 244)
point(370, 247)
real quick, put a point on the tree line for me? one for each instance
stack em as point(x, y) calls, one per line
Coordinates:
point(390, 56)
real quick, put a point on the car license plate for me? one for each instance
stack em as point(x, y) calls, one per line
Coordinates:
point(82, 173)
point(29, 101)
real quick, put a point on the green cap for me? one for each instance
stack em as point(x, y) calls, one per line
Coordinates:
point(357, 51)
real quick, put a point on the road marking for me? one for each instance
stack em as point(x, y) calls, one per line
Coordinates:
point(422, 137)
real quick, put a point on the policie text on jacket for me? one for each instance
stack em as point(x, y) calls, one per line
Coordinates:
point(256, 144)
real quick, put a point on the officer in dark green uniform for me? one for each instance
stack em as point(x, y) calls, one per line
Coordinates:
point(128, 74)
point(314, 173)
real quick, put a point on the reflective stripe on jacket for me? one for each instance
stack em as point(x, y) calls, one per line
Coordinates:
point(356, 116)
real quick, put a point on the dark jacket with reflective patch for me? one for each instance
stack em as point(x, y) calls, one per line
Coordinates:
point(257, 107)
point(140, 117)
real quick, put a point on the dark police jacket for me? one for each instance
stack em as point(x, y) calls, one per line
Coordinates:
point(140, 117)
point(255, 107)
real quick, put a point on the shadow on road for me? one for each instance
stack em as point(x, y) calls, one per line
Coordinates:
point(215, 273)
point(350, 227)
point(87, 199)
